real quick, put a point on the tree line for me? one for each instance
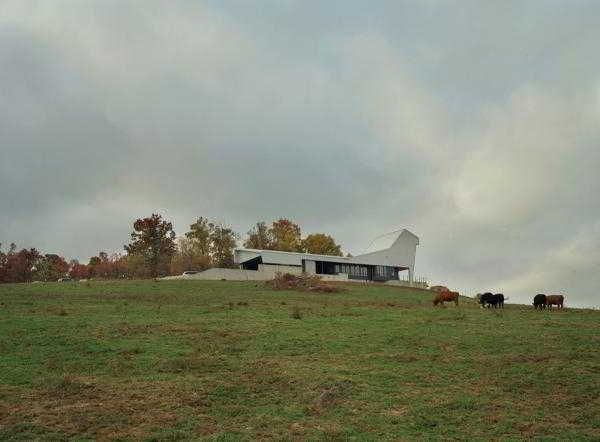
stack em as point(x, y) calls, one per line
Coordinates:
point(155, 250)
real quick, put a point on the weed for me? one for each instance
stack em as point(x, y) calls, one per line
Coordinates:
point(129, 353)
point(296, 313)
point(184, 364)
point(57, 310)
point(66, 385)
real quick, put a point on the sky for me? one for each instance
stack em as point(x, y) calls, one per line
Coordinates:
point(474, 124)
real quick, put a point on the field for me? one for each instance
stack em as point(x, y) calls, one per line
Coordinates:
point(181, 360)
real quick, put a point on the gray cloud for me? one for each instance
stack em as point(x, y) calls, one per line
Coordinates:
point(475, 125)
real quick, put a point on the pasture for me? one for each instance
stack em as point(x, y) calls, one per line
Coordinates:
point(199, 360)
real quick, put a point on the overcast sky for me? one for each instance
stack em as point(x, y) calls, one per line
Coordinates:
point(476, 125)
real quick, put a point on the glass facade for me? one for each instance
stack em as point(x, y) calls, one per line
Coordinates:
point(358, 271)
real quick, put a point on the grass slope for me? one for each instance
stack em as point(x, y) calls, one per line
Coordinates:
point(173, 360)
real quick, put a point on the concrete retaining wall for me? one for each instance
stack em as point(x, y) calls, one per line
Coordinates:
point(421, 285)
point(338, 277)
point(264, 273)
point(268, 272)
point(272, 269)
point(217, 274)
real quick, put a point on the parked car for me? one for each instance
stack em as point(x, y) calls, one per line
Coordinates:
point(190, 272)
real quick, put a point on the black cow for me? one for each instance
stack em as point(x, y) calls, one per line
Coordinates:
point(500, 300)
point(539, 300)
point(490, 300)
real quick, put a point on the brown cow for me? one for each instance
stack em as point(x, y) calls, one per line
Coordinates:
point(554, 300)
point(448, 296)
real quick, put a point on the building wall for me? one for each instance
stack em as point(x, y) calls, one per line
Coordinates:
point(310, 267)
point(401, 253)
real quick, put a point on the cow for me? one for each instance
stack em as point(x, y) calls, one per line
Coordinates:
point(490, 300)
point(554, 300)
point(539, 300)
point(448, 296)
point(500, 300)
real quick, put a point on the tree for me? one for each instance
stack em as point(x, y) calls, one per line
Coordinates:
point(188, 257)
point(259, 237)
point(154, 240)
point(93, 265)
point(135, 266)
point(200, 235)
point(118, 266)
point(105, 266)
point(285, 236)
point(3, 259)
point(51, 267)
point(79, 271)
point(18, 266)
point(321, 244)
point(223, 241)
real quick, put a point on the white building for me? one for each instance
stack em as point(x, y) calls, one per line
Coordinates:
point(394, 253)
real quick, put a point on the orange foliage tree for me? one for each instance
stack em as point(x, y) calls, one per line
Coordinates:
point(321, 244)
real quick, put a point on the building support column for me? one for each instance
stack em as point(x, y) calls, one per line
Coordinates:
point(410, 275)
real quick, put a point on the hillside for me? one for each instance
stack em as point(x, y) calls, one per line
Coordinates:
point(219, 360)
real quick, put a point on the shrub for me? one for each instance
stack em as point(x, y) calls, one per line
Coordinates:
point(296, 313)
point(312, 283)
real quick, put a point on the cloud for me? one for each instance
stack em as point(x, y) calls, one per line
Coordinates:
point(474, 125)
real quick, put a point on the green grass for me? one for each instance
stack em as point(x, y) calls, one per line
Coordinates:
point(181, 360)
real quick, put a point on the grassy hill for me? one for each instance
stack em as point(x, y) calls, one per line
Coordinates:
point(174, 360)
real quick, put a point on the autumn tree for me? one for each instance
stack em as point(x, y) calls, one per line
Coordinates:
point(154, 240)
point(285, 236)
point(51, 267)
point(200, 235)
point(135, 266)
point(189, 257)
point(2, 264)
point(79, 271)
point(223, 242)
point(259, 237)
point(321, 244)
point(118, 265)
point(194, 249)
point(18, 266)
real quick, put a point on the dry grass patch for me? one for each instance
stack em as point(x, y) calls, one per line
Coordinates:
point(83, 407)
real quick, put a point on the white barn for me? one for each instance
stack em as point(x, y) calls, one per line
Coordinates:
point(392, 254)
